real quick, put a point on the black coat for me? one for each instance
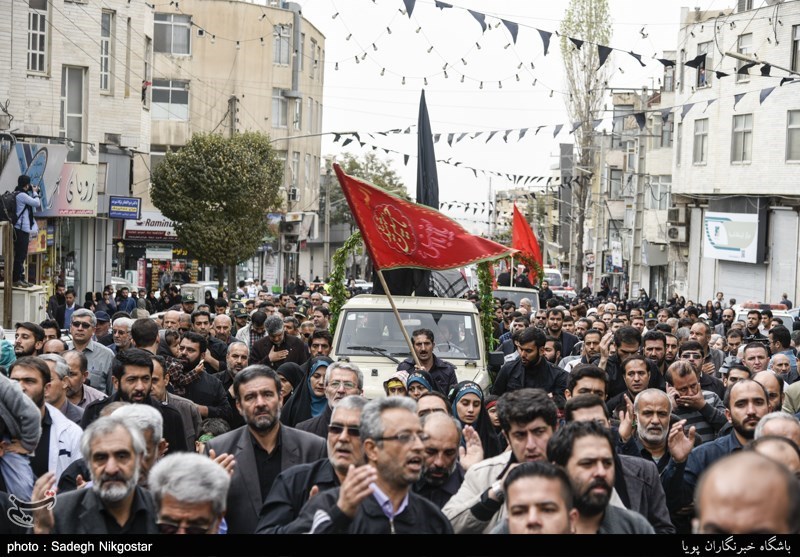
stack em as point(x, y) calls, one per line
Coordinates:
point(544, 375)
point(419, 517)
point(173, 423)
point(244, 495)
point(290, 492)
point(79, 512)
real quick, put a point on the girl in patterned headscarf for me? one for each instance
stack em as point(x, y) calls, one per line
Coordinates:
point(467, 404)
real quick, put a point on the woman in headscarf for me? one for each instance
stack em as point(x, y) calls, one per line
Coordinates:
point(291, 374)
point(467, 404)
point(308, 400)
point(418, 383)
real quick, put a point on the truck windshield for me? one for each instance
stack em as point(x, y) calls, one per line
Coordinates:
point(454, 333)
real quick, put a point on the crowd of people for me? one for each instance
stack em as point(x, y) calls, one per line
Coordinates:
point(229, 416)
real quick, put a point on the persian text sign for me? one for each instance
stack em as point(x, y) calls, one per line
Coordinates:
point(75, 192)
point(124, 207)
point(731, 236)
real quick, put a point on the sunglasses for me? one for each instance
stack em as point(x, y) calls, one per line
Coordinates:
point(170, 528)
point(352, 431)
point(81, 324)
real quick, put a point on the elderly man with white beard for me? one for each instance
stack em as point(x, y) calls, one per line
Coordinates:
point(655, 440)
point(115, 503)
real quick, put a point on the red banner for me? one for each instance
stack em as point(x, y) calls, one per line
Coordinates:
point(399, 233)
point(524, 240)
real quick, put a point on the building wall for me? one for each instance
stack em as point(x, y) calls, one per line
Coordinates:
point(218, 69)
point(73, 39)
point(767, 179)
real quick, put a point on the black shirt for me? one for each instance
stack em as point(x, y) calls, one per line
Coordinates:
point(138, 520)
point(40, 459)
point(267, 464)
point(208, 391)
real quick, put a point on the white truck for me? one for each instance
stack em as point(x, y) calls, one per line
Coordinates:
point(368, 335)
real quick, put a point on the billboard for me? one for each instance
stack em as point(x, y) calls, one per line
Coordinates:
point(42, 163)
point(731, 236)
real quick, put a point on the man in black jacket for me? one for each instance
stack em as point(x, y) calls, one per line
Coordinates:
point(277, 347)
point(555, 322)
point(101, 509)
point(132, 374)
point(392, 440)
point(293, 487)
point(442, 372)
point(531, 369)
point(205, 390)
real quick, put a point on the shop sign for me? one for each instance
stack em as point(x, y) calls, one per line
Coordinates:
point(38, 243)
point(129, 208)
point(152, 226)
point(731, 236)
point(156, 251)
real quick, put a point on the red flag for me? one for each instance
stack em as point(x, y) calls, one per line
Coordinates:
point(399, 233)
point(524, 240)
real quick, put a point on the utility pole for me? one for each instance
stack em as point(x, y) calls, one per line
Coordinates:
point(233, 109)
point(326, 246)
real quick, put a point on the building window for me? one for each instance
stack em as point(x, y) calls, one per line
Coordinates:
point(319, 115)
point(796, 48)
point(700, 141)
point(157, 154)
point(669, 79)
point(295, 168)
point(310, 115)
point(278, 109)
point(659, 189)
point(615, 184)
point(678, 144)
point(620, 115)
point(106, 30)
point(37, 36)
point(72, 110)
point(666, 132)
point(172, 33)
point(298, 114)
point(147, 83)
point(307, 175)
point(281, 38)
point(705, 69)
point(793, 136)
point(614, 231)
point(744, 45)
point(280, 156)
point(313, 60)
point(681, 68)
point(300, 55)
point(742, 140)
point(170, 99)
point(630, 156)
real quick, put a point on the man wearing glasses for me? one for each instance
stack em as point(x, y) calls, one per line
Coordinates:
point(702, 409)
point(376, 498)
point(191, 493)
point(293, 487)
point(341, 380)
point(98, 357)
point(693, 352)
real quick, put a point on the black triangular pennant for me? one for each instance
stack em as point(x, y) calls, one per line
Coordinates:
point(720, 75)
point(736, 98)
point(686, 108)
point(577, 42)
point(450, 139)
point(764, 94)
point(745, 69)
point(491, 135)
point(696, 62)
point(405, 160)
point(545, 39)
point(640, 119)
point(557, 129)
point(512, 27)
point(638, 57)
point(666, 63)
point(462, 136)
point(602, 54)
point(765, 69)
point(522, 133)
point(409, 6)
point(442, 5)
point(481, 18)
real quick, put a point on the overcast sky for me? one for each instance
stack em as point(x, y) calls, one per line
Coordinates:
point(358, 98)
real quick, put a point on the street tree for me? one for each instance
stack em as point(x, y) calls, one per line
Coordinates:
point(217, 191)
point(589, 21)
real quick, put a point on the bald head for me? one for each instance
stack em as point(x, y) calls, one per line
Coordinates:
point(781, 365)
point(779, 449)
point(779, 424)
point(774, 388)
point(730, 497)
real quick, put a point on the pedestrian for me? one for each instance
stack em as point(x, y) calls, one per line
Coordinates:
point(27, 200)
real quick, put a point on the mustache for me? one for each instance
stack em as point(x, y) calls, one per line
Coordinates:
point(600, 482)
point(112, 478)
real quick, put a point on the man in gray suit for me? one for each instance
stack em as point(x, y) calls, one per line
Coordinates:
point(262, 448)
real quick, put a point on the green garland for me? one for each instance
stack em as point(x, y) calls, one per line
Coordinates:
point(336, 286)
point(531, 264)
point(487, 305)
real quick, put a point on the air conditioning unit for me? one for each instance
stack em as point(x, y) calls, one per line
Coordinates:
point(290, 247)
point(676, 215)
point(287, 227)
point(677, 234)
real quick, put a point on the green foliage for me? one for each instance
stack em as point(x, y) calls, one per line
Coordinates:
point(370, 169)
point(218, 190)
point(336, 287)
point(487, 304)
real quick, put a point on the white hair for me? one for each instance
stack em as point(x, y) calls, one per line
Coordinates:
point(144, 417)
point(61, 367)
point(107, 425)
point(190, 478)
point(124, 321)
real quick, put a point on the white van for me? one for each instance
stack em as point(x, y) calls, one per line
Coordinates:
point(367, 334)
